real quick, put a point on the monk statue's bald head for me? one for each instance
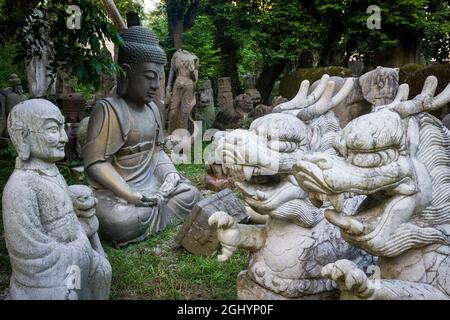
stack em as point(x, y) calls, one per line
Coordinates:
point(142, 60)
point(36, 128)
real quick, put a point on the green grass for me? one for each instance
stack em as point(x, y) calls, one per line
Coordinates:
point(194, 172)
point(158, 269)
point(155, 268)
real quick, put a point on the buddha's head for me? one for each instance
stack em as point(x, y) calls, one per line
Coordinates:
point(36, 128)
point(142, 60)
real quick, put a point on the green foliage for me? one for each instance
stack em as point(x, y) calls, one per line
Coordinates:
point(126, 6)
point(76, 51)
point(437, 32)
point(157, 22)
point(203, 46)
point(7, 67)
point(8, 153)
point(194, 172)
point(283, 29)
point(429, 19)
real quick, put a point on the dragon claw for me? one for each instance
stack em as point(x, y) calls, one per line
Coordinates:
point(352, 281)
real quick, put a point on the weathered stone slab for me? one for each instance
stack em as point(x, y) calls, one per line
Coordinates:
point(196, 236)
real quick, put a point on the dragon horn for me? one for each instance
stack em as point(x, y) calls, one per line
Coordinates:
point(441, 99)
point(346, 89)
point(424, 102)
point(300, 96)
point(318, 92)
point(321, 106)
point(114, 14)
point(302, 99)
point(401, 96)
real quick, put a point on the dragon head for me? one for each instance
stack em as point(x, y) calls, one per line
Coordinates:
point(397, 158)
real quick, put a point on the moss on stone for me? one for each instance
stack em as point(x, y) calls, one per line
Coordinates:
point(290, 84)
point(417, 79)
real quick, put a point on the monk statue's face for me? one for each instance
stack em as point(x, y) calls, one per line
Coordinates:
point(48, 141)
point(143, 82)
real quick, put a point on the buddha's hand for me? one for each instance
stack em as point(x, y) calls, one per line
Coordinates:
point(170, 183)
point(228, 233)
point(352, 281)
point(139, 200)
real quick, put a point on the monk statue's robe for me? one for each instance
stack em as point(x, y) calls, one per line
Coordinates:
point(134, 151)
point(51, 256)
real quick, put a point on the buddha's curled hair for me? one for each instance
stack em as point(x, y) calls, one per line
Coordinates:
point(140, 45)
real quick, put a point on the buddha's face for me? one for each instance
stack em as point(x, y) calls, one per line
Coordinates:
point(143, 82)
point(48, 137)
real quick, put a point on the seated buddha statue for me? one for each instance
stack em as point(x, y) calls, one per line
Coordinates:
point(138, 188)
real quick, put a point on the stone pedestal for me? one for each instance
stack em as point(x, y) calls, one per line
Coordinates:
point(225, 96)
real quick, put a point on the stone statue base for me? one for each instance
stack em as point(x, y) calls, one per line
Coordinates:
point(247, 289)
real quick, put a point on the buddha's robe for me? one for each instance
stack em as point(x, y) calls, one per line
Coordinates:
point(134, 151)
point(51, 257)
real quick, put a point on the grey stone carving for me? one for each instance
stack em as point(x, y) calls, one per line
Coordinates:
point(9, 97)
point(138, 188)
point(50, 253)
point(375, 88)
point(289, 251)
point(398, 157)
point(180, 92)
point(204, 110)
point(196, 236)
point(224, 96)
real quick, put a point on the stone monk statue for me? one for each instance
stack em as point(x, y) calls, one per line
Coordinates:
point(51, 255)
point(139, 191)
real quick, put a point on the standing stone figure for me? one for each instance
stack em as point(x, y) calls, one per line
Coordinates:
point(9, 97)
point(139, 191)
point(180, 91)
point(204, 110)
point(51, 256)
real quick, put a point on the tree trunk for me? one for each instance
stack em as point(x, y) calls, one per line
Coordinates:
point(181, 17)
point(177, 34)
point(231, 61)
point(329, 56)
point(267, 79)
point(407, 50)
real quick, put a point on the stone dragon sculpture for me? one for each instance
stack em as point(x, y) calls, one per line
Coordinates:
point(374, 88)
point(398, 156)
point(289, 251)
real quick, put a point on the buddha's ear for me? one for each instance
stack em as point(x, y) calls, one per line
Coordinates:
point(122, 81)
point(21, 141)
point(126, 69)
